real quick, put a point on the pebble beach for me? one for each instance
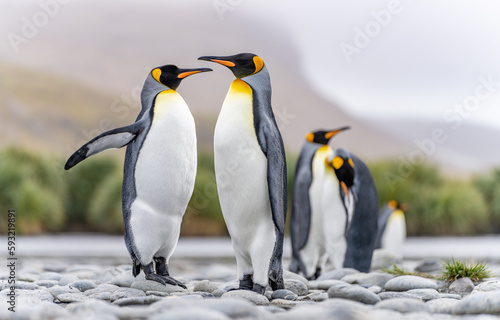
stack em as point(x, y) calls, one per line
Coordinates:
point(102, 287)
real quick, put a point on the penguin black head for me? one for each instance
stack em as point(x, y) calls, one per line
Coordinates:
point(322, 136)
point(396, 205)
point(171, 76)
point(241, 64)
point(343, 166)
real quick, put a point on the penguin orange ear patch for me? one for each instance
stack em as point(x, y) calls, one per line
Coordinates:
point(350, 162)
point(310, 137)
point(259, 64)
point(156, 73)
point(337, 162)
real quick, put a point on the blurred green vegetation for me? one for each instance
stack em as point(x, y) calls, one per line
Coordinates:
point(88, 197)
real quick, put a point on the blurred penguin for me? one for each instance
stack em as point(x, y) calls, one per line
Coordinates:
point(392, 228)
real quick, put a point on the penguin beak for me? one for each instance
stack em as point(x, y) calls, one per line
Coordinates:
point(220, 60)
point(330, 134)
point(188, 72)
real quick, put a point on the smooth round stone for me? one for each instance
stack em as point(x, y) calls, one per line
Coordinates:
point(149, 285)
point(450, 296)
point(296, 286)
point(126, 293)
point(50, 276)
point(72, 297)
point(282, 303)
point(106, 275)
point(405, 283)
point(94, 307)
point(485, 302)
point(251, 296)
point(136, 301)
point(67, 279)
point(195, 313)
point(56, 290)
point(23, 285)
point(316, 296)
point(201, 294)
point(425, 294)
point(491, 285)
point(374, 279)
point(403, 305)
point(375, 289)
point(83, 285)
point(353, 292)
point(282, 294)
point(291, 275)
point(218, 292)
point(461, 286)
point(46, 283)
point(205, 286)
point(157, 293)
point(41, 294)
point(337, 274)
point(126, 278)
point(324, 284)
point(397, 295)
point(442, 305)
point(102, 292)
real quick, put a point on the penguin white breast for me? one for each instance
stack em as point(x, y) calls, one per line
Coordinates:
point(166, 166)
point(394, 235)
point(241, 171)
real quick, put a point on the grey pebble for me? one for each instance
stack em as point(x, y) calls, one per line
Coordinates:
point(126, 278)
point(403, 305)
point(72, 297)
point(485, 302)
point(296, 286)
point(205, 286)
point(136, 301)
point(324, 284)
point(318, 296)
point(46, 283)
point(195, 313)
point(425, 294)
point(443, 305)
point(83, 285)
point(336, 274)
point(56, 290)
point(41, 294)
point(218, 292)
point(450, 296)
point(375, 289)
point(251, 296)
point(490, 285)
point(126, 293)
point(429, 265)
point(374, 278)
point(283, 303)
point(291, 275)
point(461, 286)
point(67, 279)
point(149, 285)
point(283, 294)
point(200, 294)
point(50, 276)
point(353, 292)
point(404, 283)
point(386, 295)
point(23, 285)
point(157, 293)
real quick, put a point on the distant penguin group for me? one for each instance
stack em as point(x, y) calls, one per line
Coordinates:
point(334, 209)
point(334, 202)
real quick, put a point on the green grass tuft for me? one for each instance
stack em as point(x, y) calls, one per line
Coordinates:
point(397, 271)
point(457, 269)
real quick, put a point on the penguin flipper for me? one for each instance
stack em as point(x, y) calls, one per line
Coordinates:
point(115, 138)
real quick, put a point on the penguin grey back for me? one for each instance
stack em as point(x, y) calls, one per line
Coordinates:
point(363, 230)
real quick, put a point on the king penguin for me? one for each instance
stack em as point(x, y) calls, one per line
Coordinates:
point(360, 196)
point(250, 170)
point(159, 171)
point(392, 228)
point(307, 224)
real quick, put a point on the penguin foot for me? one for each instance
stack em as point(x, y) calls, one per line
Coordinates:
point(258, 288)
point(246, 283)
point(276, 280)
point(172, 281)
point(155, 277)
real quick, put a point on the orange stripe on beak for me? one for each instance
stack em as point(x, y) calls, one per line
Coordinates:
point(224, 63)
point(186, 74)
